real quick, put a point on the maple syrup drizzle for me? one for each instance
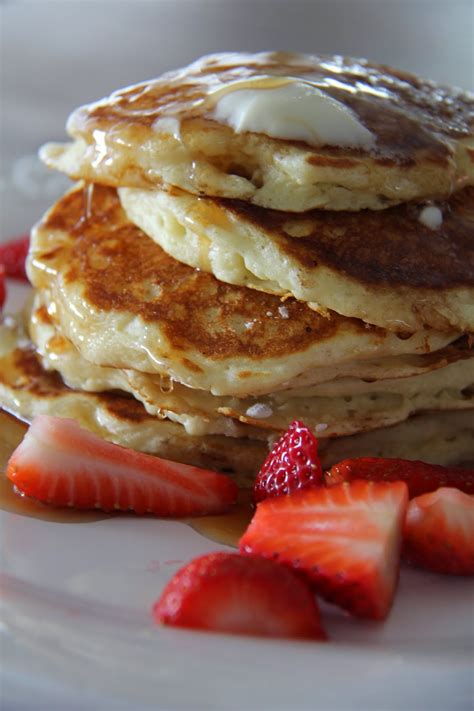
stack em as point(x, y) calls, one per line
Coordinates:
point(88, 197)
point(226, 528)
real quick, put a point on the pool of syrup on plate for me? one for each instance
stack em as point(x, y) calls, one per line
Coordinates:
point(225, 529)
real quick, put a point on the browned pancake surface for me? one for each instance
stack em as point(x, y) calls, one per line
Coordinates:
point(26, 374)
point(121, 269)
point(390, 247)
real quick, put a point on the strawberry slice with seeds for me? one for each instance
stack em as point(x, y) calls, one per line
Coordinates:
point(293, 464)
point(346, 539)
point(13, 257)
point(421, 478)
point(439, 532)
point(226, 592)
point(60, 463)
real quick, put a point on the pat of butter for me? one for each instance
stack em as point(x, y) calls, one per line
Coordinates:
point(289, 109)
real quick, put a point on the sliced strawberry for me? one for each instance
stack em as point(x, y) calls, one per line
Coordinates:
point(13, 256)
point(421, 478)
point(226, 592)
point(60, 463)
point(293, 464)
point(345, 539)
point(439, 532)
point(3, 288)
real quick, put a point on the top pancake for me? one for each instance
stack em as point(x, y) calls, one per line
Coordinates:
point(124, 302)
point(164, 131)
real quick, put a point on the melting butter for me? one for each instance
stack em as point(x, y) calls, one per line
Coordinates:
point(291, 109)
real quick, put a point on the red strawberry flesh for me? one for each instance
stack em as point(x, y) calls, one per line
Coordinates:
point(345, 539)
point(421, 478)
point(60, 463)
point(293, 464)
point(13, 257)
point(226, 592)
point(439, 532)
point(3, 288)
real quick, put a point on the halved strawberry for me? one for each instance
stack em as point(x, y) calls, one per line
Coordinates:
point(13, 256)
point(226, 592)
point(439, 532)
point(293, 464)
point(60, 463)
point(346, 539)
point(421, 478)
point(3, 288)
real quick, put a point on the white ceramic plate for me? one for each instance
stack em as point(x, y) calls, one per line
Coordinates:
point(77, 632)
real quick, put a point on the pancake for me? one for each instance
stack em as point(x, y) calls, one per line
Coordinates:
point(123, 302)
point(341, 407)
point(402, 138)
point(195, 410)
point(44, 330)
point(384, 267)
point(27, 390)
point(445, 438)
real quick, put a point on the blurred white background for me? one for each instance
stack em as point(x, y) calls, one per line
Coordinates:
point(58, 54)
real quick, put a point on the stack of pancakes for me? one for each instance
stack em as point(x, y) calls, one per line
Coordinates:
point(203, 285)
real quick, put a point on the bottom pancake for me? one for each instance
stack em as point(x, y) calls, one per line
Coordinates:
point(27, 390)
